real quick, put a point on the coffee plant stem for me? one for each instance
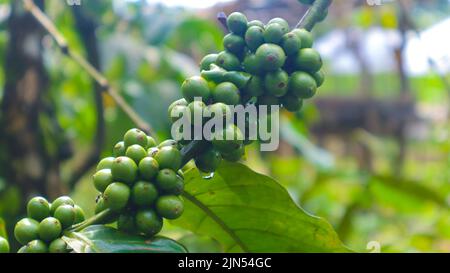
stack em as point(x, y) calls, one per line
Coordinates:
point(50, 27)
point(96, 219)
point(312, 16)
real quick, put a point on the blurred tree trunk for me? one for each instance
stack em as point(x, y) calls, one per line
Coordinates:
point(29, 165)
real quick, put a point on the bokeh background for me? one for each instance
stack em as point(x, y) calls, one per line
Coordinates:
point(370, 153)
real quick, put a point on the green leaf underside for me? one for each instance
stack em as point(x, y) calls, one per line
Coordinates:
point(249, 212)
point(103, 239)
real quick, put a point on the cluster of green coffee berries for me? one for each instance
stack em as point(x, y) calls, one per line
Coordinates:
point(264, 64)
point(43, 228)
point(141, 184)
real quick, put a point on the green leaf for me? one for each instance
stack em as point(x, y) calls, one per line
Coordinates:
point(249, 212)
point(105, 239)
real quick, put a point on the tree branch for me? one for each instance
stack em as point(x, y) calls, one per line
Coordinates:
point(313, 14)
point(42, 18)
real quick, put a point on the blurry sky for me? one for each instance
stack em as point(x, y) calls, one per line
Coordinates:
point(186, 3)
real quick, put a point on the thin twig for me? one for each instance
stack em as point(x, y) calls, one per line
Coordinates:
point(42, 18)
point(313, 14)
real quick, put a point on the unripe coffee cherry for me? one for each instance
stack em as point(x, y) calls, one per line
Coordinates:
point(66, 215)
point(270, 56)
point(105, 163)
point(119, 149)
point(135, 136)
point(102, 179)
point(207, 61)
point(194, 87)
point(58, 246)
point(4, 245)
point(254, 37)
point(148, 222)
point(237, 23)
point(62, 200)
point(143, 194)
point(26, 230)
point(38, 208)
point(227, 93)
point(35, 246)
point(148, 168)
point(276, 83)
point(136, 152)
point(169, 206)
point(124, 169)
point(116, 196)
point(302, 85)
point(49, 229)
point(168, 157)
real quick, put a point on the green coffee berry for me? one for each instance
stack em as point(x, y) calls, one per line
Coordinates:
point(168, 157)
point(206, 62)
point(302, 85)
point(62, 200)
point(268, 100)
point(208, 161)
point(166, 180)
point(255, 86)
point(4, 245)
point(105, 163)
point(274, 33)
point(38, 208)
point(319, 76)
point(49, 229)
point(151, 142)
point(234, 155)
point(237, 23)
point(119, 149)
point(229, 138)
point(135, 136)
point(196, 108)
point(180, 102)
point(151, 152)
point(168, 142)
point(219, 110)
point(305, 37)
point(227, 93)
point(252, 65)
point(276, 83)
point(58, 246)
point(102, 179)
point(234, 43)
point(26, 230)
point(126, 223)
point(291, 102)
point(291, 43)
point(177, 188)
point(270, 56)
point(124, 169)
point(35, 246)
point(116, 196)
point(143, 194)
point(283, 23)
point(66, 215)
point(228, 61)
point(148, 168)
point(79, 215)
point(308, 59)
point(254, 37)
point(136, 152)
point(194, 87)
point(255, 23)
point(169, 206)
